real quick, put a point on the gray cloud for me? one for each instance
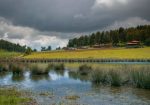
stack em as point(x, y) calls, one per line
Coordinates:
point(39, 23)
point(72, 15)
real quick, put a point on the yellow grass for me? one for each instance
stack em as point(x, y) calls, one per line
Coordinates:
point(115, 53)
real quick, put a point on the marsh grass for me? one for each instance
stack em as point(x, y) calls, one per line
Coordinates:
point(115, 77)
point(16, 70)
point(35, 70)
point(3, 68)
point(99, 77)
point(59, 66)
point(84, 69)
point(138, 76)
point(141, 78)
point(12, 97)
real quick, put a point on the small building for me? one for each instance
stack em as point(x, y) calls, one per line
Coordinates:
point(133, 44)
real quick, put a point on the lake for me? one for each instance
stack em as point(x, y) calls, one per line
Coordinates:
point(71, 87)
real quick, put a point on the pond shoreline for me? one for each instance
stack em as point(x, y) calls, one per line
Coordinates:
point(80, 60)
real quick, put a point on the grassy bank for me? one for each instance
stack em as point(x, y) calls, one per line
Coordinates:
point(7, 54)
point(121, 53)
point(11, 96)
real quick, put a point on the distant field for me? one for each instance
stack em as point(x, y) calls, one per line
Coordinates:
point(115, 53)
point(6, 54)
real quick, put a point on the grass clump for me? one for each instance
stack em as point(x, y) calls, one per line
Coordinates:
point(16, 70)
point(141, 78)
point(3, 68)
point(59, 66)
point(73, 97)
point(12, 97)
point(99, 77)
point(84, 69)
point(115, 78)
point(36, 71)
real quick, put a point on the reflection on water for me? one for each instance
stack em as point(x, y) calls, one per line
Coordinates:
point(18, 78)
point(69, 82)
point(39, 77)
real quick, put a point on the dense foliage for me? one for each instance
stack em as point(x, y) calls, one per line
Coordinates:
point(5, 45)
point(115, 37)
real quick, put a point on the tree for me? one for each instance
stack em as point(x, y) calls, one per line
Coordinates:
point(28, 51)
point(147, 42)
point(43, 48)
point(49, 48)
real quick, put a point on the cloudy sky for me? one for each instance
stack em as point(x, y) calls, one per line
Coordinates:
point(39, 23)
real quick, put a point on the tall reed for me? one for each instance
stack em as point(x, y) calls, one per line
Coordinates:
point(141, 78)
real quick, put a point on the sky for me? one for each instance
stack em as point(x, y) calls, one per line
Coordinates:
point(37, 23)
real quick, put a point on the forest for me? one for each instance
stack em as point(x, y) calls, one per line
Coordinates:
point(118, 37)
point(5, 45)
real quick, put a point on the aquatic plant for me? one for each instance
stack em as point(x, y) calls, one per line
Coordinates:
point(141, 78)
point(3, 68)
point(84, 69)
point(59, 66)
point(11, 96)
point(115, 78)
point(37, 71)
point(50, 66)
point(99, 77)
point(16, 70)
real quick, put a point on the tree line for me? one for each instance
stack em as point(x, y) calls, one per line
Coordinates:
point(5, 45)
point(116, 37)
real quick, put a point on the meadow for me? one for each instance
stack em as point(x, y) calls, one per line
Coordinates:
point(11, 96)
point(113, 53)
point(7, 54)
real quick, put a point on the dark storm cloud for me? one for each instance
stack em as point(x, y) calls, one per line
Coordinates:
point(72, 15)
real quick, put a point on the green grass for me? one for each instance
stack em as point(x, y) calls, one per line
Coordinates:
point(12, 97)
point(114, 53)
point(37, 71)
point(138, 76)
point(7, 54)
point(84, 69)
point(141, 78)
point(115, 78)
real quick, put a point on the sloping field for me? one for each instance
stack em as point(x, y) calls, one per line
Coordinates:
point(121, 53)
point(6, 54)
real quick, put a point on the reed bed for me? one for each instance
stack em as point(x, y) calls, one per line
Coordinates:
point(123, 75)
point(16, 70)
point(84, 69)
point(141, 78)
point(38, 71)
point(59, 66)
